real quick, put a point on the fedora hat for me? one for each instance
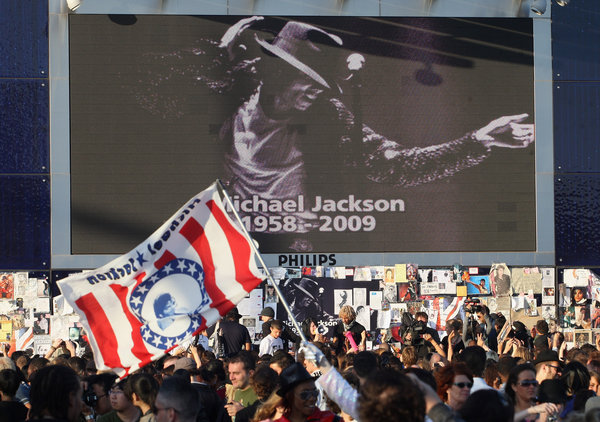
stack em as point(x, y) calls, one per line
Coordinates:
point(301, 45)
point(309, 287)
point(547, 356)
point(292, 376)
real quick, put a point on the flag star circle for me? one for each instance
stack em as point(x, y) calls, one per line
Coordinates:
point(136, 301)
point(139, 295)
point(146, 333)
point(142, 289)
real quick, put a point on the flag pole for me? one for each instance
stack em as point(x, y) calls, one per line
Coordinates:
point(262, 262)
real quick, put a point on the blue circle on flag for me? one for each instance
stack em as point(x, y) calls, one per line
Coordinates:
point(169, 302)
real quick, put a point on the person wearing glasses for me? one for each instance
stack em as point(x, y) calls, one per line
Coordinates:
point(550, 397)
point(547, 365)
point(454, 384)
point(297, 398)
point(522, 387)
point(124, 410)
point(98, 387)
point(177, 400)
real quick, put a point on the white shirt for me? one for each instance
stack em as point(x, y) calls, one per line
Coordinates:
point(269, 345)
point(479, 384)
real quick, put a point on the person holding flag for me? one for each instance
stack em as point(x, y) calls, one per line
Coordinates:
point(188, 274)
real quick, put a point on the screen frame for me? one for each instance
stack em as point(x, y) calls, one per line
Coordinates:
point(62, 257)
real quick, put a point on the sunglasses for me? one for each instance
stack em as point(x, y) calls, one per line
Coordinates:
point(558, 368)
point(308, 394)
point(528, 383)
point(463, 384)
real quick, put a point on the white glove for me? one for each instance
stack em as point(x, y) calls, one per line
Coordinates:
point(314, 354)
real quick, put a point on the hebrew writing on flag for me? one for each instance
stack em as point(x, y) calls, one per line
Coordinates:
point(184, 277)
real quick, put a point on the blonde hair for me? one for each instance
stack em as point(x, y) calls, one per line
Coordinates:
point(523, 353)
point(348, 312)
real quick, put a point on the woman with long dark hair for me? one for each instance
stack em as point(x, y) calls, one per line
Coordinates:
point(521, 387)
point(295, 400)
point(55, 395)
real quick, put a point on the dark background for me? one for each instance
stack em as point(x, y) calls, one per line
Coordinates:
point(426, 81)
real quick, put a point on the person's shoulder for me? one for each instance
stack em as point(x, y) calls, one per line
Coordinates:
point(247, 396)
point(479, 384)
point(323, 416)
point(46, 420)
point(149, 417)
point(359, 327)
point(109, 417)
point(13, 411)
point(239, 326)
point(431, 331)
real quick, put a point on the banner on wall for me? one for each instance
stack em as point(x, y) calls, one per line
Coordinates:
point(322, 298)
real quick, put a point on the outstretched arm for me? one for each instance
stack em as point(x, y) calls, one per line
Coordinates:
point(332, 382)
point(389, 162)
point(477, 286)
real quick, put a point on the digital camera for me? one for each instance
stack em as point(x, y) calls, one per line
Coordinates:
point(89, 397)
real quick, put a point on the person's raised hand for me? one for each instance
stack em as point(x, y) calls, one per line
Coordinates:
point(314, 354)
point(480, 341)
point(549, 408)
point(233, 407)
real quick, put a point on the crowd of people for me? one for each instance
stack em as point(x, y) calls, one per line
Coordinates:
point(479, 371)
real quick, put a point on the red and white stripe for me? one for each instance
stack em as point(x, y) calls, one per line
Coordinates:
point(446, 313)
point(24, 340)
point(206, 235)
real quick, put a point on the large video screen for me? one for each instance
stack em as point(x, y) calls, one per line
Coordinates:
point(330, 134)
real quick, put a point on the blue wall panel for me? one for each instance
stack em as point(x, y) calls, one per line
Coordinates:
point(576, 91)
point(577, 201)
point(24, 38)
point(576, 127)
point(25, 222)
point(24, 136)
point(576, 41)
point(24, 131)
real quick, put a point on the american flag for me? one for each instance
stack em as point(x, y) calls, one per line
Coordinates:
point(184, 277)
